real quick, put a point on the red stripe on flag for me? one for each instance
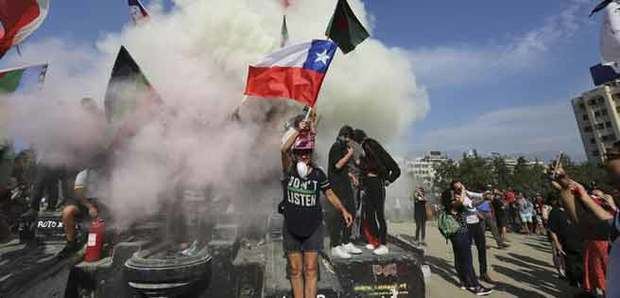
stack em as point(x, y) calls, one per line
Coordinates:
point(284, 82)
point(16, 14)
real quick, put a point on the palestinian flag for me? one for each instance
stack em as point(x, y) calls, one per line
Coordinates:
point(129, 93)
point(18, 19)
point(138, 13)
point(345, 29)
point(22, 79)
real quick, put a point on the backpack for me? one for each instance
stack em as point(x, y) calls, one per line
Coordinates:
point(447, 224)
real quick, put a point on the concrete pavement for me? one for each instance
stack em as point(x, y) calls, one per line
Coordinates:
point(525, 269)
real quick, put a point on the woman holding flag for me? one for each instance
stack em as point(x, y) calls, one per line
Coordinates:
point(302, 232)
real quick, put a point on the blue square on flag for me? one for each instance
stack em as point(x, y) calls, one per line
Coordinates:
point(320, 55)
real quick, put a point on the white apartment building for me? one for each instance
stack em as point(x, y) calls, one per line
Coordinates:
point(511, 162)
point(598, 117)
point(423, 168)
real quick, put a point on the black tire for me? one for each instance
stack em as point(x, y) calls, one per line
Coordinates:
point(141, 269)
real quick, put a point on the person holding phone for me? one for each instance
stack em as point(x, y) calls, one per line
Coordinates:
point(456, 205)
point(472, 216)
point(577, 202)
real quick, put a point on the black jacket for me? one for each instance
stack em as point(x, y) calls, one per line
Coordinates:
point(378, 161)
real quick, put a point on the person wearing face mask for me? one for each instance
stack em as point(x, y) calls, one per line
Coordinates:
point(340, 156)
point(302, 185)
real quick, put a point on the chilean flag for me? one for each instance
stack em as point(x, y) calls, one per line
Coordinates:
point(137, 12)
point(294, 72)
point(18, 19)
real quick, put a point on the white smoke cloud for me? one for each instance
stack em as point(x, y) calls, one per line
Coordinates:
point(196, 56)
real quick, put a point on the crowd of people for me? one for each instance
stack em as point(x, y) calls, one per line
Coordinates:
point(583, 225)
point(580, 222)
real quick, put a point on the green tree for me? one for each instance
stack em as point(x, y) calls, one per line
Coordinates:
point(590, 173)
point(530, 178)
point(503, 175)
point(520, 174)
point(444, 173)
point(475, 172)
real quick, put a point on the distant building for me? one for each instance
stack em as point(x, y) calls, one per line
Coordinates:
point(423, 168)
point(511, 162)
point(470, 153)
point(598, 117)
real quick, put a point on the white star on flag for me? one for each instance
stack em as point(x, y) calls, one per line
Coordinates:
point(323, 57)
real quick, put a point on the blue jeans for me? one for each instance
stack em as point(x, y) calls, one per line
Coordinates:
point(476, 231)
point(463, 262)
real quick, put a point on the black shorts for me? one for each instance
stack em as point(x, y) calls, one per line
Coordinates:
point(293, 243)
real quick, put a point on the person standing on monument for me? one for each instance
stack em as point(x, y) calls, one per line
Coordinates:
point(302, 184)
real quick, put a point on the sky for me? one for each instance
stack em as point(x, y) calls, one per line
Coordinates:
point(499, 74)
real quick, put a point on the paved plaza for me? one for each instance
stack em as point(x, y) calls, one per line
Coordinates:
point(525, 269)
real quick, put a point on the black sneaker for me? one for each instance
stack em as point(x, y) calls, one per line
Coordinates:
point(480, 291)
point(69, 249)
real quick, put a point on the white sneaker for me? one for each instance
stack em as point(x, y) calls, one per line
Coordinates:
point(370, 246)
point(339, 252)
point(352, 249)
point(381, 250)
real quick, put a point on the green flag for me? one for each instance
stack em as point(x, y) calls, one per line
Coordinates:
point(345, 29)
point(22, 79)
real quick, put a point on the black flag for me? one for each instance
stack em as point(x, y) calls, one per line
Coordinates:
point(128, 89)
point(345, 29)
point(600, 7)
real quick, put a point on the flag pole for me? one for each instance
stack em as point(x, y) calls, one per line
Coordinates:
point(245, 98)
point(235, 112)
point(308, 113)
point(22, 66)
